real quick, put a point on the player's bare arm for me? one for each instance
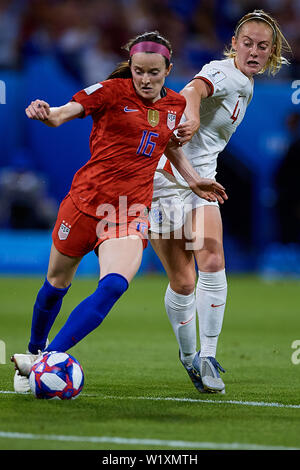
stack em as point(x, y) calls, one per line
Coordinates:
point(53, 116)
point(204, 187)
point(193, 92)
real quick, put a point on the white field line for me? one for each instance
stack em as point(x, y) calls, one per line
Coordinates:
point(141, 442)
point(195, 400)
point(177, 399)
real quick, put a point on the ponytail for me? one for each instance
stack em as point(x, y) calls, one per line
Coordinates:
point(121, 71)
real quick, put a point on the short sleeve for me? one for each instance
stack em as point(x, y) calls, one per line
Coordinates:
point(216, 78)
point(95, 97)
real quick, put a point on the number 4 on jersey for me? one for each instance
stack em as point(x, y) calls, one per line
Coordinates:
point(236, 112)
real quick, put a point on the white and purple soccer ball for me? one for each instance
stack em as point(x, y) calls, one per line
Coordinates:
point(56, 375)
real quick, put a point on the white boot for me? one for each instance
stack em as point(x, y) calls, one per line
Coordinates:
point(23, 365)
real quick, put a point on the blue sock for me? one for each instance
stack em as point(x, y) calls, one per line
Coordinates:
point(90, 313)
point(45, 311)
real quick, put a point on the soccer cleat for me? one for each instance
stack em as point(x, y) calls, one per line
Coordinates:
point(207, 370)
point(23, 364)
point(197, 382)
point(21, 383)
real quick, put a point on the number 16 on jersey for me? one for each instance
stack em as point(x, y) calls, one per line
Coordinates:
point(147, 145)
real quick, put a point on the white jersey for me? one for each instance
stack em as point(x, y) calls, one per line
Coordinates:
point(220, 114)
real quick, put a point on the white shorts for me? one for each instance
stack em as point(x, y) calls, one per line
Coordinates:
point(171, 204)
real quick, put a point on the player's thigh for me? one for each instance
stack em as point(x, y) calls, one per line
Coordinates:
point(120, 255)
point(177, 260)
point(61, 268)
point(208, 251)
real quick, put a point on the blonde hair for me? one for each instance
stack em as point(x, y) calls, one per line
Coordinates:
point(280, 44)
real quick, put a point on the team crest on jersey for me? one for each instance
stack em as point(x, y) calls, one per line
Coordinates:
point(142, 227)
point(153, 117)
point(171, 120)
point(64, 230)
point(156, 215)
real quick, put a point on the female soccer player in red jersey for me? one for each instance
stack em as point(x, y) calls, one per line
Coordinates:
point(217, 99)
point(134, 117)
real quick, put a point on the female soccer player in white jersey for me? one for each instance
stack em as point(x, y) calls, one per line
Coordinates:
point(217, 99)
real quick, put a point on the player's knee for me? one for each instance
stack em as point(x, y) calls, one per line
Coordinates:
point(214, 262)
point(183, 285)
point(58, 281)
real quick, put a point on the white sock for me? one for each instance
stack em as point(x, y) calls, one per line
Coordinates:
point(181, 310)
point(211, 293)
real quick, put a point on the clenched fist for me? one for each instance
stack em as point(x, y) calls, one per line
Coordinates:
point(39, 110)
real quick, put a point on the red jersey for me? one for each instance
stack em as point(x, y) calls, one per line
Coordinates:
point(128, 137)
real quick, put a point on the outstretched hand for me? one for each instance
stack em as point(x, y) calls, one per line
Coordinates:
point(38, 110)
point(210, 190)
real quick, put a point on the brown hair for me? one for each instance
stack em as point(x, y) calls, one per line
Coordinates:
point(280, 44)
point(123, 69)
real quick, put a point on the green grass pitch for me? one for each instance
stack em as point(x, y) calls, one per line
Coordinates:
point(137, 394)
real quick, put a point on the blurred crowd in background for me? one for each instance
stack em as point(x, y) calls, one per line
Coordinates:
point(87, 36)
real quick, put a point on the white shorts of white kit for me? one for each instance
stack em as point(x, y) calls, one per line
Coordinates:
point(172, 204)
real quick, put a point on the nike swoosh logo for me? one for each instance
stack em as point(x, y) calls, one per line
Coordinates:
point(188, 321)
point(128, 110)
point(213, 305)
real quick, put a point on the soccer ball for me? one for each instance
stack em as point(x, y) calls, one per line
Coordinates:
point(56, 375)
